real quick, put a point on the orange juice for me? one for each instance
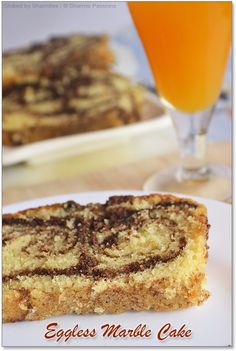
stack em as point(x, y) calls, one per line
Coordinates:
point(187, 44)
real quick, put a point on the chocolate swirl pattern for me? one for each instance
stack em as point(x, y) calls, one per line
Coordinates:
point(123, 238)
point(103, 236)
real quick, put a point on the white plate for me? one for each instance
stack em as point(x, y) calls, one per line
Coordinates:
point(210, 323)
point(154, 118)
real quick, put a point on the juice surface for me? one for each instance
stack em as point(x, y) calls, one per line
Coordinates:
point(187, 44)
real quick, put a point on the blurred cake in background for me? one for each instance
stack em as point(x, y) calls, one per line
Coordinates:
point(65, 86)
point(54, 56)
point(88, 101)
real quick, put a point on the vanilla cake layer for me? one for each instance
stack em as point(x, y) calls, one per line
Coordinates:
point(131, 253)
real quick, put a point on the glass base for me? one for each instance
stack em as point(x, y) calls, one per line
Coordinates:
point(216, 185)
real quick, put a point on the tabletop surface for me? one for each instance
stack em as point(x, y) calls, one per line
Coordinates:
point(124, 175)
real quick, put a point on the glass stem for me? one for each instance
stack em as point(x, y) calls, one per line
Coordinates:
point(192, 135)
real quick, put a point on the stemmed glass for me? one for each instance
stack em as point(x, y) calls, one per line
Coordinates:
point(187, 45)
